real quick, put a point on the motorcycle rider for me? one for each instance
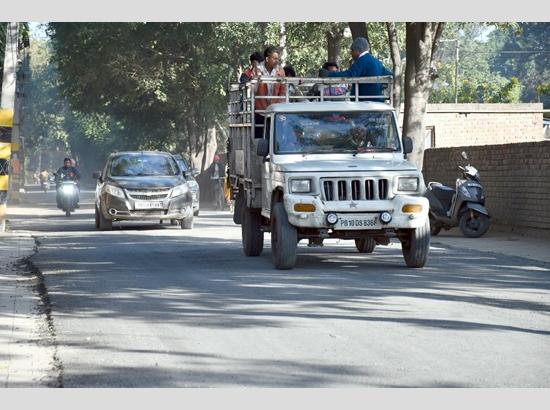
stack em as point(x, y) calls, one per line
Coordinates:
point(67, 172)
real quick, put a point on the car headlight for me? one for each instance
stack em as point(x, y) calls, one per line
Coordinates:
point(180, 190)
point(193, 186)
point(114, 191)
point(300, 186)
point(407, 184)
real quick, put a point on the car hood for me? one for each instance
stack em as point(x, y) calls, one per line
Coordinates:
point(146, 182)
point(346, 165)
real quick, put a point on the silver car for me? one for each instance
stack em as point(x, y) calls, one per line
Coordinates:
point(142, 185)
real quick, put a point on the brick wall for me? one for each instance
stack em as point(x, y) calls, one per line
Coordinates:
point(516, 178)
point(483, 124)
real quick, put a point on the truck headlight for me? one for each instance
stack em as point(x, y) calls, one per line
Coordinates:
point(407, 184)
point(300, 186)
point(180, 190)
point(114, 191)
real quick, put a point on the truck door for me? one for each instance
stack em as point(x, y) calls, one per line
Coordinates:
point(267, 185)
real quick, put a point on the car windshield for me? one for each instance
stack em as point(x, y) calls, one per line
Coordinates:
point(335, 132)
point(143, 165)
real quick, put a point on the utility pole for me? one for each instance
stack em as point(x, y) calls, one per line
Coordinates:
point(7, 107)
point(457, 51)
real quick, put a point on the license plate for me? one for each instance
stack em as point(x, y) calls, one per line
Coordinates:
point(147, 205)
point(358, 221)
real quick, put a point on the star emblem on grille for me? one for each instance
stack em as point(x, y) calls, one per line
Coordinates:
point(353, 204)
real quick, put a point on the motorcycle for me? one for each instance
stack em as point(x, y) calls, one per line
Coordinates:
point(45, 185)
point(67, 191)
point(462, 206)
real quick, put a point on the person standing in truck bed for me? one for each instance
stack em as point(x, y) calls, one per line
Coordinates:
point(269, 67)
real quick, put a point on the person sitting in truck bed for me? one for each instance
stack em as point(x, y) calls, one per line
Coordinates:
point(256, 59)
point(364, 65)
point(329, 90)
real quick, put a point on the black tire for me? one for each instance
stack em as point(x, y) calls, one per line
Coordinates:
point(239, 208)
point(251, 231)
point(474, 227)
point(416, 246)
point(196, 213)
point(284, 238)
point(365, 245)
point(173, 222)
point(104, 223)
point(67, 212)
point(435, 228)
point(187, 223)
point(96, 217)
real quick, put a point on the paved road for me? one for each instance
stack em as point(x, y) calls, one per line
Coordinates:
point(155, 306)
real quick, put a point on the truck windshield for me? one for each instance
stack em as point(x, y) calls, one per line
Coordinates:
point(134, 165)
point(335, 132)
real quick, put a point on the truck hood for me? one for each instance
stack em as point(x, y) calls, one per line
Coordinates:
point(147, 182)
point(345, 165)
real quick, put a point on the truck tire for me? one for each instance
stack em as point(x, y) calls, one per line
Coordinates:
point(284, 238)
point(435, 228)
point(239, 208)
point(416, 246)
point(252, 235)
point(104, 223)
point(365, 245)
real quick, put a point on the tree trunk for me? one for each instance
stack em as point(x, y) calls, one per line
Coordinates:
point(397, 65)
point(421, 42)
point(334, 44)
point(359, 29)
point(282, 43)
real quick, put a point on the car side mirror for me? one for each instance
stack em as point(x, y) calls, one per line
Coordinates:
point(195, 172)
point(407, 145)
point(263, 148)
point(464, 155)
point(96, 175)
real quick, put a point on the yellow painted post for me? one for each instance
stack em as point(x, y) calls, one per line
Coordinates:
point(6, 124)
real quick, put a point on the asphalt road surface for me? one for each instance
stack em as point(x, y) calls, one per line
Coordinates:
point(147, 305)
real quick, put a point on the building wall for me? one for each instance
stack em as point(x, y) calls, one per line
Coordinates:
point(483, 124)
point(516, 177)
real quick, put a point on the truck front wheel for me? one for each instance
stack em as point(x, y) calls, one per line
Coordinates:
point(284, 238)
point(416, 246)
point(252, 235)
point(365, 245)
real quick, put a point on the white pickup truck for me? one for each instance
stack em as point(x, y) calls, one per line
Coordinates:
point(323, 167)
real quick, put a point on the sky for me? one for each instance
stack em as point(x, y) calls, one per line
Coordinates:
point(38, 30)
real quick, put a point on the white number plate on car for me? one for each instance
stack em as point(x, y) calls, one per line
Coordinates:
point(148, 205)
point(358, 221)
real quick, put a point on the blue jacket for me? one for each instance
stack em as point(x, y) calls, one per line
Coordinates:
point(365, 66)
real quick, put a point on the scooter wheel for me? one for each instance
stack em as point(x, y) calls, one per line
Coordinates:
point(474, 224)
point(435, 228)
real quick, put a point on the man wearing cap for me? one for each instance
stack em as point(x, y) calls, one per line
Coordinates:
point(364, 65)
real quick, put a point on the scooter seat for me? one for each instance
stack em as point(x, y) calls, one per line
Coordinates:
point(443, 193)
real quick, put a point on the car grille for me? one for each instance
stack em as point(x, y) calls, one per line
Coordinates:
point(356, 189)
point(149, 194)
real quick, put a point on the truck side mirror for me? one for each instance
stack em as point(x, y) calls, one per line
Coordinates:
point(195, 172)
point(464, 155)
point(263, 148)
point(96, 175)
point(407, 145)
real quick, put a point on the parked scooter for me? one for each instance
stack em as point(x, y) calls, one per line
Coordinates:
point(462, 206)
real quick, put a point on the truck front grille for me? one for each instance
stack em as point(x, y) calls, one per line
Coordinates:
point(364, 189)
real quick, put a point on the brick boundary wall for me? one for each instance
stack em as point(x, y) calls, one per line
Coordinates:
point(483, 124)
point(516, 178)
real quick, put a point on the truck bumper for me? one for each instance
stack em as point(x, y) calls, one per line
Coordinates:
point(317, 218)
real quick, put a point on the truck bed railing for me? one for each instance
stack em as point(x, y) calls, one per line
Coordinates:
point(242, 97)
